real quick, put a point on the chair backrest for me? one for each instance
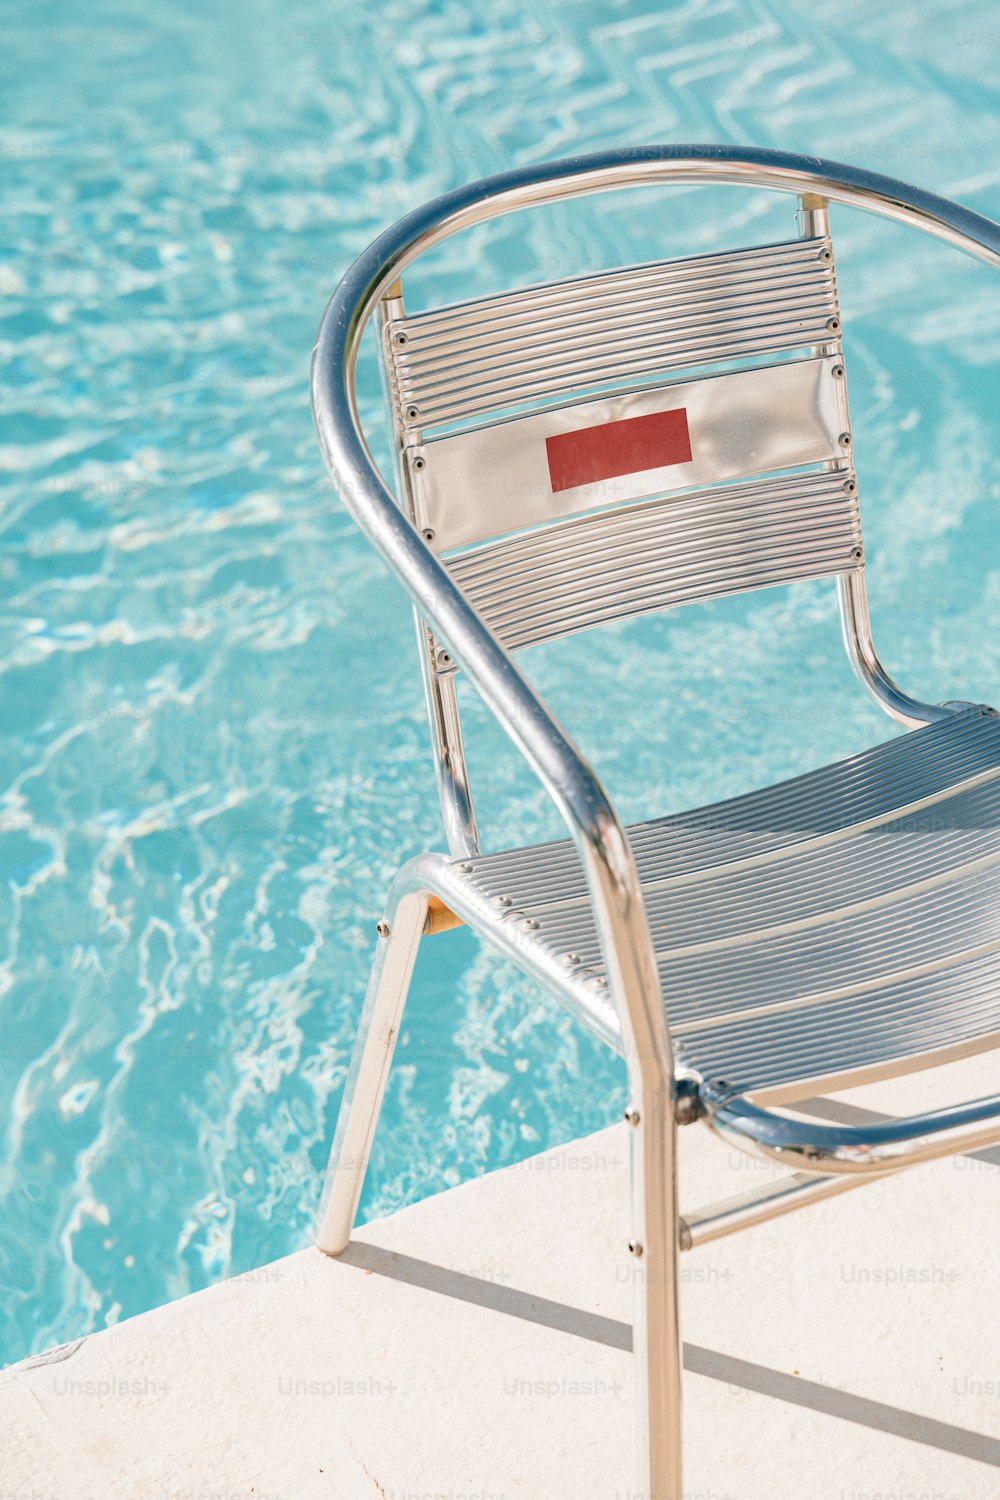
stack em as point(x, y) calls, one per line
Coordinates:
point(565, 483)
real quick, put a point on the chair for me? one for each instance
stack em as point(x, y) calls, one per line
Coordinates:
point(593, 449)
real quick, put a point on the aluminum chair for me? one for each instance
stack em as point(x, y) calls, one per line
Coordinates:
point(836, 929)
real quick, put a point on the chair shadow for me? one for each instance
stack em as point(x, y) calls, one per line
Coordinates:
point(578, 1323)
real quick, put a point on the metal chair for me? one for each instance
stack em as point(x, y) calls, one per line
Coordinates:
point(839, 928)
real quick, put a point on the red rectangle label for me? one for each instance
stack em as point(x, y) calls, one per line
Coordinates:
point(616, 448)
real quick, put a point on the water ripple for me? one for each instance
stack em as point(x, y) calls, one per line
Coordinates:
point(212, 752)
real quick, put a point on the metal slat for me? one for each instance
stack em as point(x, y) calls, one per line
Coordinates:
point(673, 524)
point(611, 306)
point(724, 945)
point(588, 289)
point(602, 342)
point(890, 781)
point(711, 546)
point(480, 356)
point(753, 900)
point(941, 1016)
point(686, 318)
point(847, 948)
point(841, 926)
point(734, 574)
point(580, 296)
point(602, 371)
point(635, 559)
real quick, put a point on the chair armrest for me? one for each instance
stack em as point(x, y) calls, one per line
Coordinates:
point(606, 855)
point(882, 1146)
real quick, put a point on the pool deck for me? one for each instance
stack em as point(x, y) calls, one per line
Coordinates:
point(474, 1347)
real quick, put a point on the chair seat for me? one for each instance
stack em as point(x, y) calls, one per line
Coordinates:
point(833, 929)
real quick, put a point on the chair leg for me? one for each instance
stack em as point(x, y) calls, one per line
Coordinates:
point(656, 1336)
point(655, 1215)
point(395, 955)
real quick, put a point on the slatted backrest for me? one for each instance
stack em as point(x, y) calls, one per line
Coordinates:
point(605, 446)
point(566, 485)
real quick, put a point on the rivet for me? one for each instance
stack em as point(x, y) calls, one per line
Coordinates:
point(530, 922)
point(858, 553)
point(419, 463)
point(837, 372)
point(399, 339)
point(503, 901)
point(850, 486)
point(465, 869)
point(826, 253)
point(833, 325)
point(443, 659)
point(634, 1248)
point(845, 439)
point(427, 534)
point(569, 959)
point(412, 411)
point(632, 1115)
point(383, 929)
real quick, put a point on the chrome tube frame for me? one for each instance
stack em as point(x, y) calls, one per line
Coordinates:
point(440, 693)
point(399, 935)
point(603, 848)
point(857, 631)
point(847, 1150)
point(760, 1205)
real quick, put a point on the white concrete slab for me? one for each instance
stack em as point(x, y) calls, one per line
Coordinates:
point(474, 1347)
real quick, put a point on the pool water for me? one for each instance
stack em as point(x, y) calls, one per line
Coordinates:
point(211, 733)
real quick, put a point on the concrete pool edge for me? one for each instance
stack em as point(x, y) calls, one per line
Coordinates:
point(476, 1344)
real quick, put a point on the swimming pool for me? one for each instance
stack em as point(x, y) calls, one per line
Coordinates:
point(213, 747)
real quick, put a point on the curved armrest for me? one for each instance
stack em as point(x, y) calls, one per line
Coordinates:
point(604, 850)
point(883, 1146)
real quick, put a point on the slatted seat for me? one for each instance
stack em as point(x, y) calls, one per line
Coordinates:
point(588, 450)
point(820, 933)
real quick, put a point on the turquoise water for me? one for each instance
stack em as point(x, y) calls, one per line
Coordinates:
point(212, 751)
